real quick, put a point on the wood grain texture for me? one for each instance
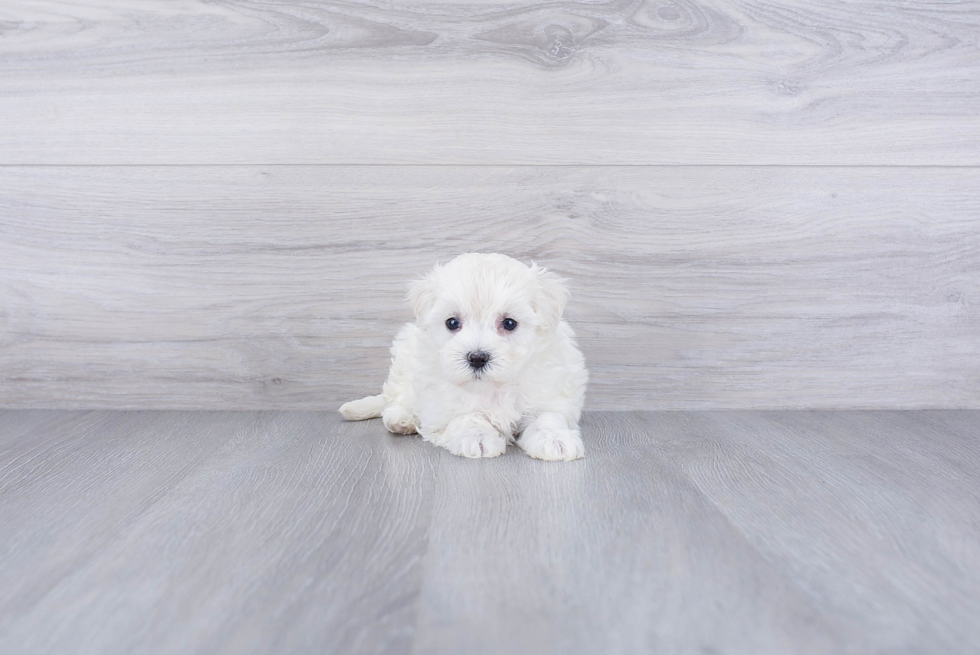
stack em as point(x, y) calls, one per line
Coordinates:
point(208, 532)
point(618, 555)
point(618, 82)
point(680, 532)
point(281, 287)
point(782, 478)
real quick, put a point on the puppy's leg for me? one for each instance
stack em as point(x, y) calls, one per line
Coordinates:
point(550, 437)
point(365, 408)
point(398, 416)
point(399, 420)
point(471, 435)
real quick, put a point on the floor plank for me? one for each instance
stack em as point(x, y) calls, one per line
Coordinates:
point(270, 532)
point(861, 509)
point(614, 554)
point(252, 287)
point(621, 82)
point(252, 532)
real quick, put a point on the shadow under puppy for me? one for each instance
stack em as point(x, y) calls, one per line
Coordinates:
point(489, 361)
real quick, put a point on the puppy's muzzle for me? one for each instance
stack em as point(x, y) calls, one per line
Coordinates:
point(477, 359)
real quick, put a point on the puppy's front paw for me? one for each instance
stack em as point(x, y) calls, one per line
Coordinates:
point(398, 420)
point(474, 438)
point(479, 445)
point(552, 444)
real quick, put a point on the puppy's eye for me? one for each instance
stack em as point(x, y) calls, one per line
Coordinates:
point(509, 324)
point(453, 324)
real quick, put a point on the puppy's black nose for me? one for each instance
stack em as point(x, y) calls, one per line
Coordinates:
point(478, 359)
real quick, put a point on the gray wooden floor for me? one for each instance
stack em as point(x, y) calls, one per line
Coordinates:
point(681, 532)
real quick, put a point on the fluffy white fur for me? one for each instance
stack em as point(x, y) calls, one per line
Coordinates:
point(530, 392)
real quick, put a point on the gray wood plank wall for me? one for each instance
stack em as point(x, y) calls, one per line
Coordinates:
point(491, 82)
point(759, 204)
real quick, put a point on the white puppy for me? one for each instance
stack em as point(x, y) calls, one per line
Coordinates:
point(489, 361)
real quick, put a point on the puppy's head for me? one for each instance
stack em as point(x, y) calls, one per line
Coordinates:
point(487, 314)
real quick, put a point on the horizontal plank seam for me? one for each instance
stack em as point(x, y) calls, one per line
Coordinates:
point(363, 165)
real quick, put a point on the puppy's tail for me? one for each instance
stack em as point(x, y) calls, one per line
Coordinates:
point(365, 408)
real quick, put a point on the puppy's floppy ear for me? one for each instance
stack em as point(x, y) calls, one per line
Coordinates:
point(422, 294)
point(550, 297)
